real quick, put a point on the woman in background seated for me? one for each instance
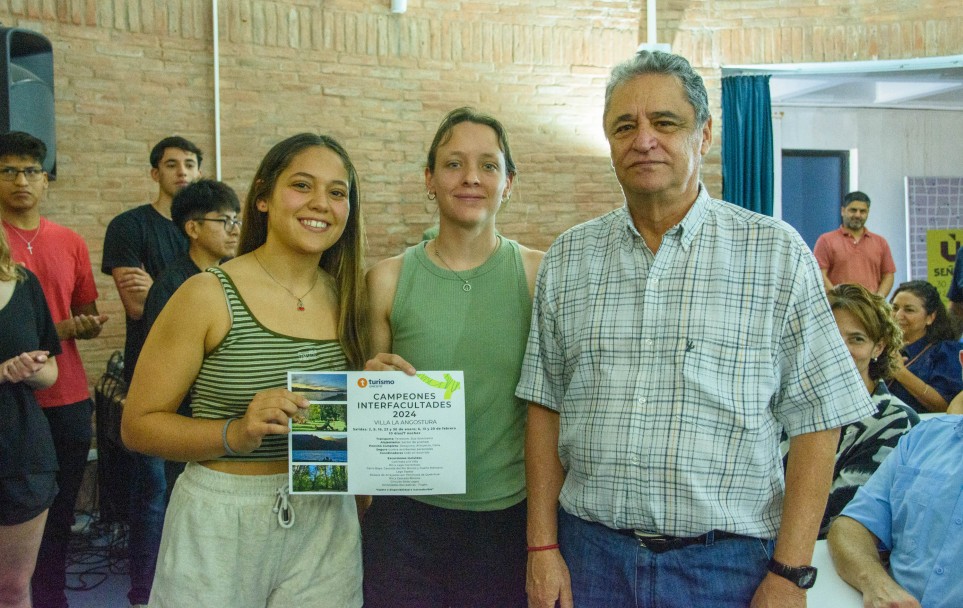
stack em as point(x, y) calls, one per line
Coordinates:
point(28, 463)
point(867, 327)
point(930, 373)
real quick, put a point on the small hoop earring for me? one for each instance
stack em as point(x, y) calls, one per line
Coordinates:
point(431, 195)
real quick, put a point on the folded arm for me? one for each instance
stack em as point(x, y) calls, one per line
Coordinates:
point(132, 285)
point(857, 561)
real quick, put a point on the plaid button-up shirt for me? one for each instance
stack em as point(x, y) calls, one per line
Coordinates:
point(675, 373)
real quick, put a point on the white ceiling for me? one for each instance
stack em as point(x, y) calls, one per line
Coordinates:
point(921, 84)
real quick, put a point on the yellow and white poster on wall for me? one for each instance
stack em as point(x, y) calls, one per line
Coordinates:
point(941, 246)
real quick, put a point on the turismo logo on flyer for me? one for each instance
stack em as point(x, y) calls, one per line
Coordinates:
point(374, 382)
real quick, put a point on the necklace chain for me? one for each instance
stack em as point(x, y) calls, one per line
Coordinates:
point(317, 277)
point(467, 286)
point(24, 239)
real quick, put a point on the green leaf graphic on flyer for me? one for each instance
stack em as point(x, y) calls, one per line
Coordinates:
point(449, 384)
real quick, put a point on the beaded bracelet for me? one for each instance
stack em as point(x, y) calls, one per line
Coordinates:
point(227, 447)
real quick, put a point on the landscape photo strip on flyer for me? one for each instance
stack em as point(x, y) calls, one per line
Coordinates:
point(378, 433)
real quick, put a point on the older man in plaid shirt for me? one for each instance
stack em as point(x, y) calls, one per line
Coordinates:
point(672, 341)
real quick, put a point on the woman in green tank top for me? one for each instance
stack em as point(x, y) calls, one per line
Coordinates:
point(294, 298)
point(461, 301)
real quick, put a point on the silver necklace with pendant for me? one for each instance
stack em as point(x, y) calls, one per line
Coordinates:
point(24, 239)
point(467, 286)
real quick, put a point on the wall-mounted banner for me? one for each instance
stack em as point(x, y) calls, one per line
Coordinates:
point(932, 204)
point(941, 246)
point(378, 433)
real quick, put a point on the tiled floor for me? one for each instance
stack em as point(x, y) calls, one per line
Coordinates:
point(111, 593)
point(97, 567)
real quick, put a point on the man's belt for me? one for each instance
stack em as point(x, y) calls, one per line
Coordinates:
point(660, 543)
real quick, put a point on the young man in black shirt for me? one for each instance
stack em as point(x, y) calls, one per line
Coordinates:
point(139, 244)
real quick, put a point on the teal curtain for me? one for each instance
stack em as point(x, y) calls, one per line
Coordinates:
point(747, 171)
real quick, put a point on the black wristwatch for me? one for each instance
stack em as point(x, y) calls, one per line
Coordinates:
point(804, 576)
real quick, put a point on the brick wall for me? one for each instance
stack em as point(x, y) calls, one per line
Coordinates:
point(129, 72)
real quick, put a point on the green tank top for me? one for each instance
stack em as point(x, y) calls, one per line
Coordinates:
point(436, 325)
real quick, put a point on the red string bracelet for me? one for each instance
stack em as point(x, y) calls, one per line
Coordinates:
point(543, 548)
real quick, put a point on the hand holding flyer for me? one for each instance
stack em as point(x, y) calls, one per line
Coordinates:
point(379, 433)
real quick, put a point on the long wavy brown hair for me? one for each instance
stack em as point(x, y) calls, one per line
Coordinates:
point(344, 260)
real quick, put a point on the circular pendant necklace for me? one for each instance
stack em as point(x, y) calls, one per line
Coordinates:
point(467, 286)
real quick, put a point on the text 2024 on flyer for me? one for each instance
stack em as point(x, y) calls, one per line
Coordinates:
point(378, 433)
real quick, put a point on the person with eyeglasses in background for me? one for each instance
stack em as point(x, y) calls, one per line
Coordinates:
point(207, 213)
point(139, 244)
point(59, 258)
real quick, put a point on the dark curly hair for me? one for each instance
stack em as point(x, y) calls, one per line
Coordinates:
point(942, 327)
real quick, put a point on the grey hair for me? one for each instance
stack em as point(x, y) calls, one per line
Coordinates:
point(659, 62)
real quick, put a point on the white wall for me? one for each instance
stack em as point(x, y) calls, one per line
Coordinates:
point(890, 144)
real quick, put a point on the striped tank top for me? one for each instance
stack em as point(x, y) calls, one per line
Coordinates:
point(250, 359)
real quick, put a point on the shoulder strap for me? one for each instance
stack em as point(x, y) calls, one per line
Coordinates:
point(230, 291)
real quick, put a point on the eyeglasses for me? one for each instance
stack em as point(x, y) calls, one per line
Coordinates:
point(230, 223)
point(9, 174)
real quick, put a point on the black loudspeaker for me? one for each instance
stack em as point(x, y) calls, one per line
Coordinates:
point(26, 89)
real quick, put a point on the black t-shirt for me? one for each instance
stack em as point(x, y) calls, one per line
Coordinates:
point(160, 292)
point(140, 238)
point(25, 325)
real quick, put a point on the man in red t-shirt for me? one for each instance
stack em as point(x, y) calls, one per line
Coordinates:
point(59, 258)
point(853, 254)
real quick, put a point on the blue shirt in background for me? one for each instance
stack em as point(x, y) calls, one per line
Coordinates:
point(914, 506)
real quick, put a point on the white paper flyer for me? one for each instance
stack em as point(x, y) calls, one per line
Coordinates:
point(378, 433)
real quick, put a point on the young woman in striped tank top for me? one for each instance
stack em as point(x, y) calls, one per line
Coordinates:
point(293, 299)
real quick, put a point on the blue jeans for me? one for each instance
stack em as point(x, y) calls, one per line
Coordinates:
point(148, 502)
point(610, 569)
